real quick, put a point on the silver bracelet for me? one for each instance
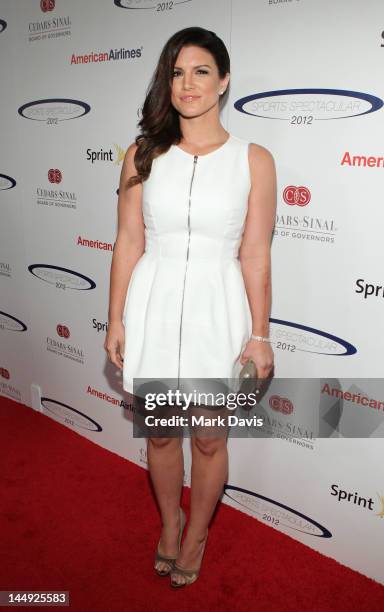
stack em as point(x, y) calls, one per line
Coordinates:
point(261, 338)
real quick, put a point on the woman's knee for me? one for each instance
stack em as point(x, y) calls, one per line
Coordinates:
point(209, 446)
point(169, 442)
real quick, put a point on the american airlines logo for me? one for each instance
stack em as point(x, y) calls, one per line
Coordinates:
point(370, 161)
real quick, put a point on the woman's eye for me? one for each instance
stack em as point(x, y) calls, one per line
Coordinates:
point(177, 73)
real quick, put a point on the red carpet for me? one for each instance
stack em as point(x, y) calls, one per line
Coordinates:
point(79, 518)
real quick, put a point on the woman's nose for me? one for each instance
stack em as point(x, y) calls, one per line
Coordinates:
point(188, 82)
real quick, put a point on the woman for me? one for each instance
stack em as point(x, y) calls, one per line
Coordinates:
point(190, 289)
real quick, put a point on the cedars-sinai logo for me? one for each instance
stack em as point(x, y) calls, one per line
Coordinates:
point(54, 175)
point(305, 106)
point(149, 4)
point(62, 331)
point(296, 196)
point(47, 5)
point(54, 110)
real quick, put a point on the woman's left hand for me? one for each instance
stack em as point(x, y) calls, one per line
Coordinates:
point(261, 354)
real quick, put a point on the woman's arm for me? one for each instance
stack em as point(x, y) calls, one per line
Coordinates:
point(129, 247)
point(255, 253)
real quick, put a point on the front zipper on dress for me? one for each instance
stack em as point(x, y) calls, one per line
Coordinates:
point(186, 261)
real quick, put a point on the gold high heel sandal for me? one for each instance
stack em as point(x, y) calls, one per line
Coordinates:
point(170, 560)
point(189, 575)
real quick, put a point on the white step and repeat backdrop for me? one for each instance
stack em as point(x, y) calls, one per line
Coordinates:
point(306, 82)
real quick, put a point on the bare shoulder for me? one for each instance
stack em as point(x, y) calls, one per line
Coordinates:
point(259, 154)
point(132, 148)
point(129, 168)
point(130, 153)
point(261, 163)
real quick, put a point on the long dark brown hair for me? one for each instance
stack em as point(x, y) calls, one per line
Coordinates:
point(159, 124)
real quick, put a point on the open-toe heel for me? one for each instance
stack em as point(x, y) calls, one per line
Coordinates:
point(170, 561)
point(189, 575)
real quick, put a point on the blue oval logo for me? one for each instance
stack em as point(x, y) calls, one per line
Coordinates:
point(69, 415)
point(11, 323)
point(320, 104)
point(288, 517)
point(54, 109)
point(309, 339)
point(144, 4)
point(62, 278)
point(6, 182)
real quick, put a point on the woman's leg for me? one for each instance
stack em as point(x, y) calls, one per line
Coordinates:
point(209, 473)
point(166, 467)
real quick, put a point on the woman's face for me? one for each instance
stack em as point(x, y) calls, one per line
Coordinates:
point(196, 83)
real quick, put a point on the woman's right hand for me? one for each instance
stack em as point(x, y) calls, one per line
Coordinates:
point(114, 343)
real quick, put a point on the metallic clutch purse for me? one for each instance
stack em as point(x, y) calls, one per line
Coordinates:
point(249, 383)
point(248, 377)
point(248, 371)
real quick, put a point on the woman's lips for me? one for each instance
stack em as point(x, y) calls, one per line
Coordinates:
point(189, 98)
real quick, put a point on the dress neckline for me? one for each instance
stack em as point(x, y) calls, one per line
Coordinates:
point(205, 154)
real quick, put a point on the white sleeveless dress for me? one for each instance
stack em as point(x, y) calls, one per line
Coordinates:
point(186, 312)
